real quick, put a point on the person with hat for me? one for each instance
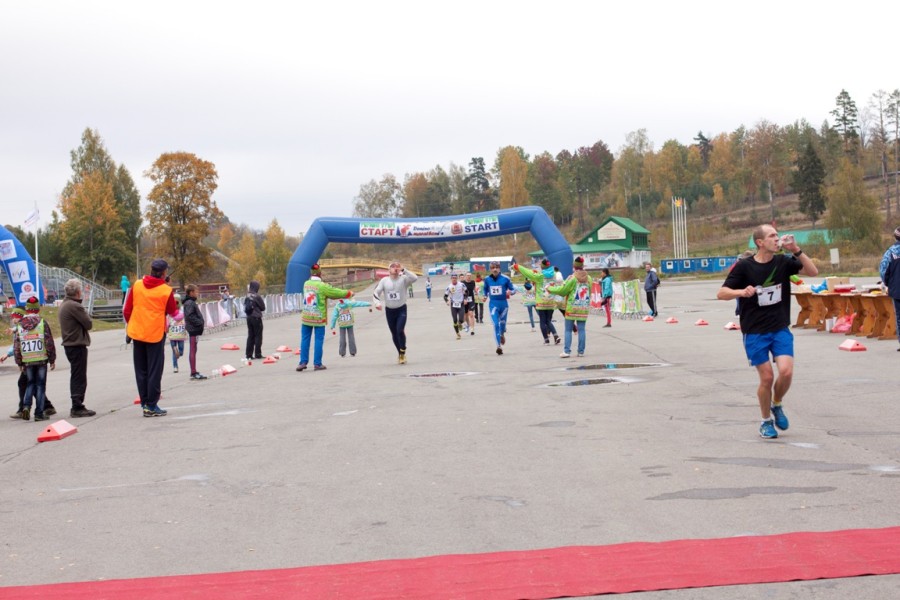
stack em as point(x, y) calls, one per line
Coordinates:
point(391, 292)
point(890, 276)
point(576, 289)
point(498, 288)
point(15, 314)
point(315, 316)
point(34, 350)
point(75, 324)
point(254, 308)
point(146, 307)
point(455, 297)
point(545, 302)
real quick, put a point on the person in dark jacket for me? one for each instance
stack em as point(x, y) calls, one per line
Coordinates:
point(75, 324)
point(193, 324)
point(254, 307)
point(890, 276)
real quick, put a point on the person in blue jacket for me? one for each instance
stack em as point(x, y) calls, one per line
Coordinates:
point(498, 288)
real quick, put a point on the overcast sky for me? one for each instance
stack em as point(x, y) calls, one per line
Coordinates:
point(298, 103)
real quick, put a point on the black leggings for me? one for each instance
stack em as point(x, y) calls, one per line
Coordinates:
point(396, 319)
point(546, 318)
point(458, 314)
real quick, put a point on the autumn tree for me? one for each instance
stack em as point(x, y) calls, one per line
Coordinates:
point(704, 145)
point(181, 210)
point(93, 157)
point(513, 170)
point(274, 255)
point(226, 238)
point(245, 265)
point(809, 183)
point(92, 230)
point(767, 159)
point(378, 199)
point(852, 212)
point(542, 188)
point(413, 193)
point(631, 167)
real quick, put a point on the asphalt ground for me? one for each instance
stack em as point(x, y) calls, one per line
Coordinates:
point(459, 451)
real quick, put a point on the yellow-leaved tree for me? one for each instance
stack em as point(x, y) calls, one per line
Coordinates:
point(181, 211)
point(274, 255)
point(513, 175)
point(244, 265)
point(92, 229)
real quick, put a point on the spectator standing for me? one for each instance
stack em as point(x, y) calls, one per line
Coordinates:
point(890, 276)
point(194, 323)
point(124, 285)
point(75, 324)
point(606, 294)
point(315, 308)
point(254, 307)
point(146, 307)
point(650, 285)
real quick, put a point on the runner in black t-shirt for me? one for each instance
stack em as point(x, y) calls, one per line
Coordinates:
point(762, 283)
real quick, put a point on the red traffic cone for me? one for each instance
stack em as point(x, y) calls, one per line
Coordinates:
point(269, 360)
point(732, 326)
point(648, 318)
point(57, 431)
point(701, 322)
point(283, 349)
point(671, 320)
point(852, 346)
point(230, 347)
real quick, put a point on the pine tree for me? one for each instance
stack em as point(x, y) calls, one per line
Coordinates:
point(809, 182)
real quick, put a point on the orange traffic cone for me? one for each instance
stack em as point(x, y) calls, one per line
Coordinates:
point(852, 346)
point(671, 320)
point(269, 360)
point(283, 349)
point(701, 322)
point(732, 326)
point(57, 431)
point(230, 347)
point(648, 318)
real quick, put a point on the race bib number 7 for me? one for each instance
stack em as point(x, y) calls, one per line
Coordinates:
point(768, 295)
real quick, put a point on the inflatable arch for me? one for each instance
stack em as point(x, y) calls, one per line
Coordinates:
point(416, 231)
point(19, 267)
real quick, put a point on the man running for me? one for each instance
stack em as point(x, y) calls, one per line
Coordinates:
point(763, 284)
point(498, 288)
point(391, 292)
point(469, 305)
point(455, 298)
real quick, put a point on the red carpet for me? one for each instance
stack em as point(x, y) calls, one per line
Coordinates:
point(536, 574)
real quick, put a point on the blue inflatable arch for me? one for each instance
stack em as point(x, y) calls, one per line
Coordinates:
point(436, 229)
point(19, 267)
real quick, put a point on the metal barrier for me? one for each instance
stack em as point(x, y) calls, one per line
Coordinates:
point(221, 314)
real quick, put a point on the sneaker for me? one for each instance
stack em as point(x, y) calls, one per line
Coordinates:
point(581, 355)
point(301, 367)
point(472, 332)
point(767, 430)
point(502, 339)
point(499, 350)
point(781, 420)
point(459, 337)
point(198, 377)
point(38, 417)
point(26, 414)
point(564, 355)
point(556, 340)
point(319, 368)
point(154, 411)
point(18, 415)
point(546, 342)
point(260, 357)
point(79, 411)
point(49, 411)
point(175, 370)
point(401, 360)
point(607, 325)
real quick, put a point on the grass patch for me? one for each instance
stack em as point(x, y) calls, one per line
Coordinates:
point(51, 316)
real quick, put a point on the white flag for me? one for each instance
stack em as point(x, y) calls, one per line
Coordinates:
point(32, 218)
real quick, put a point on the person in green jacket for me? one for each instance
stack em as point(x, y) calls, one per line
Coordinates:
point(545, 303)
point(315, 316)
point(577, 292)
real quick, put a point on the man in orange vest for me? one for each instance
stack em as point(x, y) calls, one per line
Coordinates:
point(146, 307)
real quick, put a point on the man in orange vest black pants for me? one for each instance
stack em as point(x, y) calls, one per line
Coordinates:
point(146, 307)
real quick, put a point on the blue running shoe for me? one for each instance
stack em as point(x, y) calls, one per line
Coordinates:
point(154, 411)
point(767, 430)
point(781, 420)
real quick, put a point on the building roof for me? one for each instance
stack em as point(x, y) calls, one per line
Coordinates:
point(623, 222)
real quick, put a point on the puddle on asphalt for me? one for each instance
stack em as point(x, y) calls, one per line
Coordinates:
point(793, 465)
point(581, 382)
point(731, 493)
point(615, 366)
point(443, 374)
